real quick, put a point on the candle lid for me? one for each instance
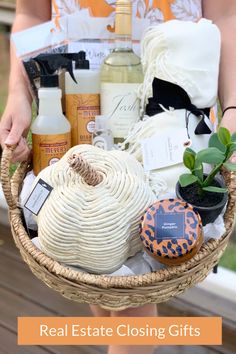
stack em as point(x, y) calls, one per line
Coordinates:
point(171, 231)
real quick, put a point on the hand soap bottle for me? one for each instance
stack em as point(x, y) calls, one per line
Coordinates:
point(82, 100)
point(51, 131)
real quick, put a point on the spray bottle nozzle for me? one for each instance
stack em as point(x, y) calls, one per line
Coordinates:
point(50, 63)
point(80, 60)
point(82, 55)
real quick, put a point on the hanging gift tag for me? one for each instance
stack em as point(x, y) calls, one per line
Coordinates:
point(38, 196)
point(164, 150)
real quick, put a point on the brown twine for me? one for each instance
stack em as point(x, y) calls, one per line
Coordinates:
point(85, 169)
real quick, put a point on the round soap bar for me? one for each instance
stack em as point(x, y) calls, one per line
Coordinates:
point(171, 231)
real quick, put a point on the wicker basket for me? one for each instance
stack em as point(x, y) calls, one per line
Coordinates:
point(117, 292)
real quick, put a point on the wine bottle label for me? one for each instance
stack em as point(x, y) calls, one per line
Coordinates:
point(120, 103)
point(81, 110)
point(48, 149)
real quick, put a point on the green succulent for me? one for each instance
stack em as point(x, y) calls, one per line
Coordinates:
point(221, 147)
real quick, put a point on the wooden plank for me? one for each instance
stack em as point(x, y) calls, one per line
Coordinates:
point(7, 245)
point(80, 349)
point(21, 281)
point(179, 308)
point(26, 292)
point(8, 345)
point(210, 304)
point(12, 305)
point(184, 350)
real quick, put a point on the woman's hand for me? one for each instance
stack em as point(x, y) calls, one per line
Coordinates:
point(15, 123)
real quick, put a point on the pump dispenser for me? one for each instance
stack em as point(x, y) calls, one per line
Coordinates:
point(51, 131)
point(82, 99)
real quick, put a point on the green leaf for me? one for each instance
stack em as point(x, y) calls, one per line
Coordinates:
point(224, 135)
point(215, 142)
point(210, 155)
point(230, 166)
point(186, 179)
point(198, 170)
point(233, 138)
point(231, 150)
point(215, 189)
point(189, 159)
point(191, 151)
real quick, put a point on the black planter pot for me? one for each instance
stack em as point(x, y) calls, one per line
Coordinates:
point(208, 213)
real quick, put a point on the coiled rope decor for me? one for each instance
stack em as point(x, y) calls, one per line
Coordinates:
point(116, 292)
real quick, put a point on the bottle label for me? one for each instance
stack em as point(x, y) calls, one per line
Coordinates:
point(48, 149)
point(81, 110)
point(121, 104)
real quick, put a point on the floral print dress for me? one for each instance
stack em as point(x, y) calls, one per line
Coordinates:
point(154, 10)
point(145, 13)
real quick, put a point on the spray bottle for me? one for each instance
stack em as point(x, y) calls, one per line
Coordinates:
point(51, 131)
point(49, 64)
point(82, 99)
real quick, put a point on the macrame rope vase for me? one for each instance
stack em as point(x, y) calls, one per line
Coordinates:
point(117, 292)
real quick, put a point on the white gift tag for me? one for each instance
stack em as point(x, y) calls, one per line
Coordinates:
point(163, 151)
point(38, 196)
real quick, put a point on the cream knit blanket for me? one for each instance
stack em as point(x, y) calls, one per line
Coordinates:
point(184, 53)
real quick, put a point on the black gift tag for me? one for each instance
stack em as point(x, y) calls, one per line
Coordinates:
point(38, 197)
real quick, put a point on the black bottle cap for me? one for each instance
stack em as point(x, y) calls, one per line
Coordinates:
point(49, 81)
point(80, 61)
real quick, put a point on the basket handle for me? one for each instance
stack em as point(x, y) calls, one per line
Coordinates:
point(5, 175)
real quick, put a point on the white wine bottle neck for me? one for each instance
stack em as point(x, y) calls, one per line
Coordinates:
point(123, 24)
point(123, 43)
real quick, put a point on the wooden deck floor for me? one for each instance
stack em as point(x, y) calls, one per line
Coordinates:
point(21, 294)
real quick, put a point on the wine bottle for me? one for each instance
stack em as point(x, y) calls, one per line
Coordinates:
point(121, 75)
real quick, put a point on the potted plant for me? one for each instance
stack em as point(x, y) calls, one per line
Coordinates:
point(205, 191)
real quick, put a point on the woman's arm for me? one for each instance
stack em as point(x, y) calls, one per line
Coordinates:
point(223, 14)
point(16, 118)
point(28, 14)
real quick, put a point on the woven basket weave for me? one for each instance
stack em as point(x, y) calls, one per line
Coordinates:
point(116, 292)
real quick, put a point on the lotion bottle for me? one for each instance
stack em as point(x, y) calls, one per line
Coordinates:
point(51, 131)
point(82, 100)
